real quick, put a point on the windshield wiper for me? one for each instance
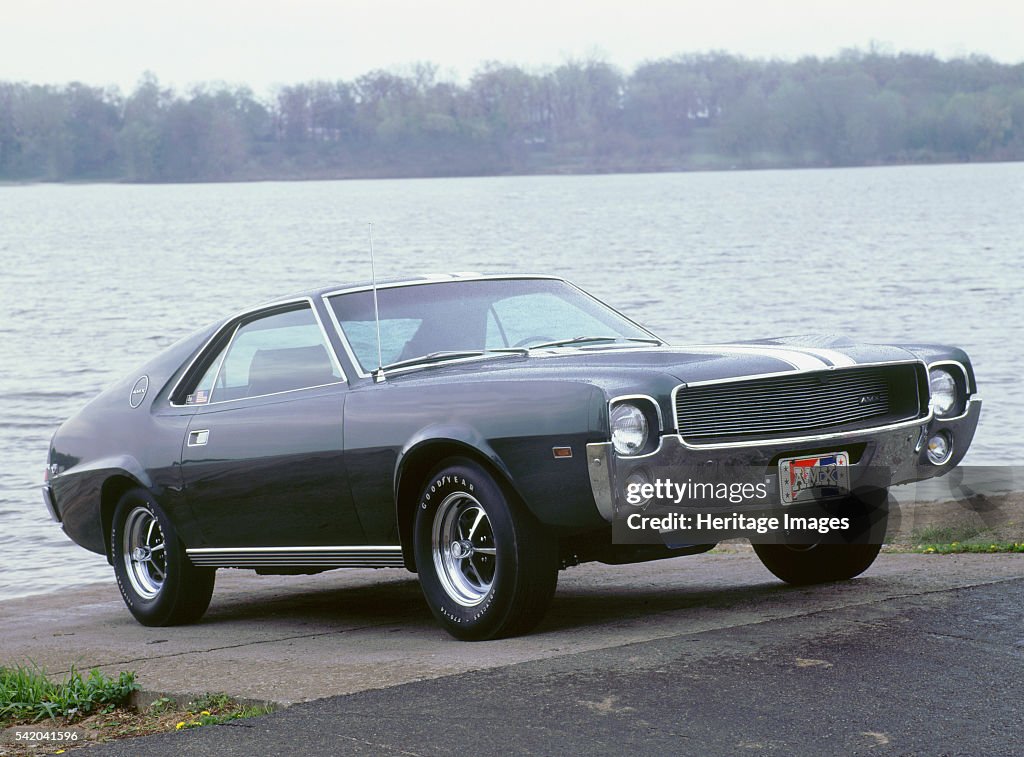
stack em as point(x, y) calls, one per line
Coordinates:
point(440, 355)
point(436, 357)
point(583, 339)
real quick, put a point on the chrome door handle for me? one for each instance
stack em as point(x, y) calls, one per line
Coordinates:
point(198, 438)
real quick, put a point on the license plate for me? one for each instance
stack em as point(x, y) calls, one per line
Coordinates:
point(814, 477)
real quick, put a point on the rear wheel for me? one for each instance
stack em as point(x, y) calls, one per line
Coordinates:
point(159, 584)
point(486, 566)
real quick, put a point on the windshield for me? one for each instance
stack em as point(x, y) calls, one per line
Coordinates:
point(476, 316)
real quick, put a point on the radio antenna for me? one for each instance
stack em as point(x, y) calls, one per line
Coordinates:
point(378, 375)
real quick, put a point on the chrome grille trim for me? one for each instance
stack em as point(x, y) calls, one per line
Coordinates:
point(794, 404)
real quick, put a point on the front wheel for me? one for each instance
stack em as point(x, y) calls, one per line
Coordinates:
point(801, 565)
point(159, 584)
point(486, 566)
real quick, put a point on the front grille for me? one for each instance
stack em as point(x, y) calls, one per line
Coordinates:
point(788, 405)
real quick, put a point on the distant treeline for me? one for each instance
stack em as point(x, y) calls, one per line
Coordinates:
point(690, 112)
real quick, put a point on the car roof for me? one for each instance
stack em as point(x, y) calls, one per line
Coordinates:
point(437, 278)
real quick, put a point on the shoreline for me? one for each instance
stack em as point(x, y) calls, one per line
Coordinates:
point(553, 171)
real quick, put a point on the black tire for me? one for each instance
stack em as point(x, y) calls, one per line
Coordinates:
point(805, 564)
point(802, 565)
point(159, 584)
point(475, 590)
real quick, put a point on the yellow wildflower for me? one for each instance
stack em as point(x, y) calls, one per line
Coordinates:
point(205, 712)
point(179, 726)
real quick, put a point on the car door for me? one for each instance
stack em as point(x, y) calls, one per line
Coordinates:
point(262, 461)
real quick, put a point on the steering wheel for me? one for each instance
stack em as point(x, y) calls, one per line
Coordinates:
point(539, 339)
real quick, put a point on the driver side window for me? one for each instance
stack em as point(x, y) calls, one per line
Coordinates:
point(276, 353)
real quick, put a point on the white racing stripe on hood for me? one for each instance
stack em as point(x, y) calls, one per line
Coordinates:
point(837, 358)
point(799, 359)
point(796, 361)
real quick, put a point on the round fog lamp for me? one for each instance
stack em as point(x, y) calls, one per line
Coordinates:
point(635, 482)
point(940, 448)
point(629, 429)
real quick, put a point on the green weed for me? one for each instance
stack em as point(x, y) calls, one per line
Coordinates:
point(27, 693)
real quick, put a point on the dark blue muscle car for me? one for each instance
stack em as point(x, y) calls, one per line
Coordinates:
point(484, 433)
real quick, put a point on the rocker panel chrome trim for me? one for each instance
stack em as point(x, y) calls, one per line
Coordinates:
point(336, 557)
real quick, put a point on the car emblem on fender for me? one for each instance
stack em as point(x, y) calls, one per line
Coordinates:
point(138, 392)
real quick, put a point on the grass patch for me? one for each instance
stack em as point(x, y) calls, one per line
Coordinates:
point(97, 707)
point(960, 539)
point(27, 694)
point(976, 547)
point(214, 709)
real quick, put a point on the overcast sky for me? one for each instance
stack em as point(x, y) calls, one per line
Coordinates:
point(264, 43)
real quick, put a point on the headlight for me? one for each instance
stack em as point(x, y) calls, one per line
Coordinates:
point(942, 386)
point(629, 429)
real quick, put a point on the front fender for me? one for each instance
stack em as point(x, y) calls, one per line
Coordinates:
point(419, 455)
point(457, 434)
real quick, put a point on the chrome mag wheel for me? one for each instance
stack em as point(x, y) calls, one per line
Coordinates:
point(144, 551)
point(463, 548)
point(487, 567)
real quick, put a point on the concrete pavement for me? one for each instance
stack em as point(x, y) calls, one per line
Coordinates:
point(293, 639)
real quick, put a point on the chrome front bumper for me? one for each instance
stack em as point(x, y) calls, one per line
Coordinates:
point(897, 450)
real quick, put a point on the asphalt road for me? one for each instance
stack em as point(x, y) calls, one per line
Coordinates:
point(700, 655)
point(931, 674)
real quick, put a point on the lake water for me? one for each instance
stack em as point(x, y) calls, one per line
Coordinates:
point(97, 278)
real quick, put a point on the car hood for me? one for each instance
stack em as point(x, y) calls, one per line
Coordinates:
point(619, 368)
